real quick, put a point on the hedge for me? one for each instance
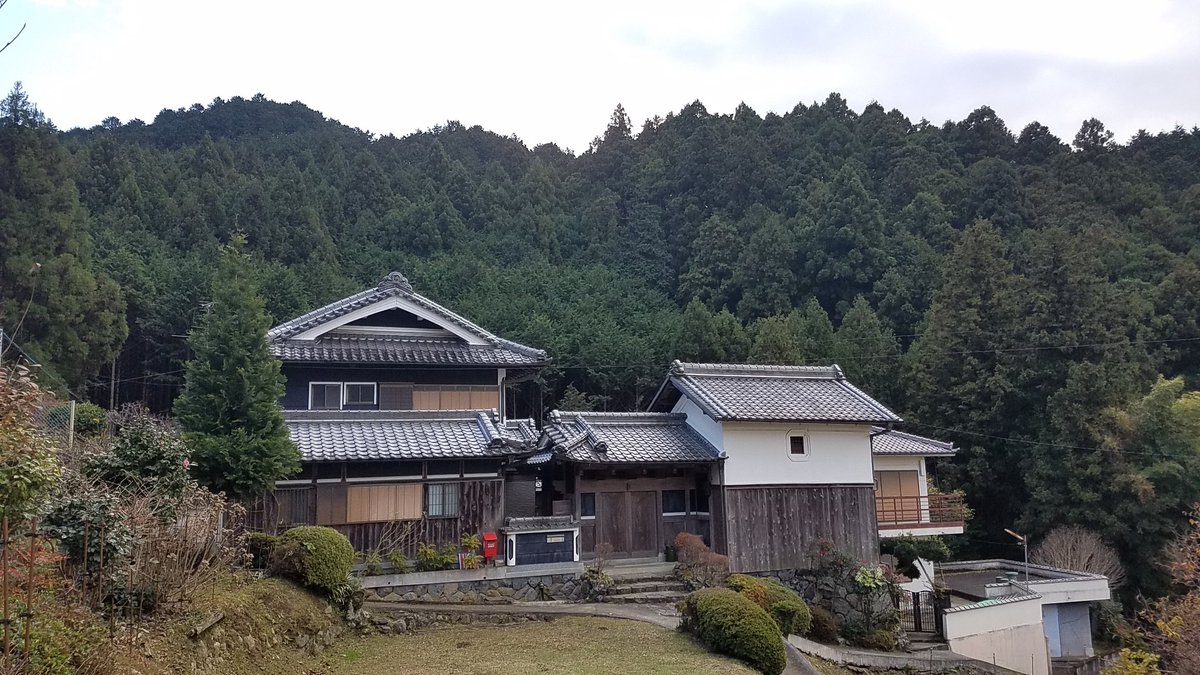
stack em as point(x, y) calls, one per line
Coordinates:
point(790, 613)
point(728, 623)
point(319, 557)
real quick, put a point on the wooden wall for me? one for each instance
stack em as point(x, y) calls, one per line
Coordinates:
point(481, 509)
point(777, 527)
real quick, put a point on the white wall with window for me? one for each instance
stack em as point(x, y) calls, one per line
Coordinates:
point(790, 454)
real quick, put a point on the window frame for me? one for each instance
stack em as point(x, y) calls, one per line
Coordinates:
point(802, 456)
point(683, 494)
point(457, 492)
point(583, 516)
point(324, 384)
point(694, 499)
point(346, 395)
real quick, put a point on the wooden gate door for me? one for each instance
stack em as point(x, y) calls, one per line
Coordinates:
point(612, 522)
point(643, 524)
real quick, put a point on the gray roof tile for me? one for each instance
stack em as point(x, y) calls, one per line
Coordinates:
point(389, 349)
point(398, 350)
point(395, 434)
point(776, 393)
point(615, 438)
point(885, 442)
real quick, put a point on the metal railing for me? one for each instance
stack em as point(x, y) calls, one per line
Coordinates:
point(931, 511)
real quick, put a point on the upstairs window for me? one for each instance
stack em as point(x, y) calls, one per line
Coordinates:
point(360, 393)
point(587, 504)
point(797, 447)
point(441, 500)
point(325, 396)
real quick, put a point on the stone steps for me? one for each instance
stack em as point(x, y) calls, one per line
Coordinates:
point(647, 598)
point(653, 586)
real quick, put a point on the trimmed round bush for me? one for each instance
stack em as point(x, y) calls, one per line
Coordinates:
point(318, 557)
point(784, 605)
point(824, 626)
point(728, 623)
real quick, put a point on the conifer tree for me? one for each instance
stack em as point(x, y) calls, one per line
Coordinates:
point(867, 351)
point(230, 400)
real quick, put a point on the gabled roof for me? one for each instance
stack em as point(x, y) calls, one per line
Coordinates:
point(889, 442)
point(616, 438)
point(764, 393)
point(314, 337)
point(342, 435)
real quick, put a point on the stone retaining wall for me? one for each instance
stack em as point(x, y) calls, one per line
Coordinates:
point(484, 591)
point(839, 596)
point(392, 622)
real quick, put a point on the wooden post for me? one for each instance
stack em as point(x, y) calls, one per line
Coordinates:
point(87, 527)
point(4, 581)
point(29, 584)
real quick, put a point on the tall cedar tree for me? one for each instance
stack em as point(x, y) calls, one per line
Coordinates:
point(958, 380)
point(230, 400)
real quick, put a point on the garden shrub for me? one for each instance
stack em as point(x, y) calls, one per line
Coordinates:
point(698, 567)
point(260, 545)
point(824, 626)
point(400, 562)
point(433, 559)
point(881, 640)
point(728, 623)
point(319, 557)
point(373, 562)
point(784, 605)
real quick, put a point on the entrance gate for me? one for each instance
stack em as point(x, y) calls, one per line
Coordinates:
point(921, 612)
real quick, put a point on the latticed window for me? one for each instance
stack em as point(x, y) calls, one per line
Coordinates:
point(441, 500)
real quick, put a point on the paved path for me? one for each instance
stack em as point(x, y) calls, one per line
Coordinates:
point(659, 615)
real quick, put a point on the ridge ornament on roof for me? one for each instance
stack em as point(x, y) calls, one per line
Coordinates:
point(395, 279)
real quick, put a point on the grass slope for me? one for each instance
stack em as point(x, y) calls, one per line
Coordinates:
point(584, 646)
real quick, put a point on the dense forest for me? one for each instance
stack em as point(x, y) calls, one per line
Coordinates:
point(1035, 300)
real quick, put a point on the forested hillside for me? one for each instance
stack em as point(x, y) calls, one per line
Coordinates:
point(1016, 293)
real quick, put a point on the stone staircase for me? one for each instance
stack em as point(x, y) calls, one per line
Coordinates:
point(645, 585)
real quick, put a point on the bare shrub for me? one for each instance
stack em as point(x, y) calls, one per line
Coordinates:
point(604, 551)
point(697, 566)
point(1074, 548)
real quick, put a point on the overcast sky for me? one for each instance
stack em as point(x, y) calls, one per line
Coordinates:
point(554, 71)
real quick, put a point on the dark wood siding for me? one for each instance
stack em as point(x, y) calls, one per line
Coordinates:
point(481, 509)
point(779, 527)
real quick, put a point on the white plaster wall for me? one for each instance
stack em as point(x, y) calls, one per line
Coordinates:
point(706, 426)
point(758, 454)
point(1010, 635)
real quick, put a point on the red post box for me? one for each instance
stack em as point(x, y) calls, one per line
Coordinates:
point(490, 547)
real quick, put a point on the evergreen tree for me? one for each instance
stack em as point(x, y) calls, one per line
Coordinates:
point(230, 401)
point(958, 379)
point(815, 332)
point(765, 270)
point(776, 341)
point(868, 352)
point(844, 253)
point(709, 274)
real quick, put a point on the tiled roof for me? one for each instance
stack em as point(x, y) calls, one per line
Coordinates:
point(888, 442)
point(614, 438)
point(403, 350)
point(776, 393)
point(389, 349)
point(393, 434)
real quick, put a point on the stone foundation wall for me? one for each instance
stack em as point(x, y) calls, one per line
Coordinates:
point(484, 591)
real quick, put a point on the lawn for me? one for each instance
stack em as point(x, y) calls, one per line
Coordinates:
point(568, 645)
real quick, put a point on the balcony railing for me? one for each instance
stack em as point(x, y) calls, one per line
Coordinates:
point(898, 513)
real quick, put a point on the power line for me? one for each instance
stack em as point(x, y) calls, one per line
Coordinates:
point(1061, 446)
